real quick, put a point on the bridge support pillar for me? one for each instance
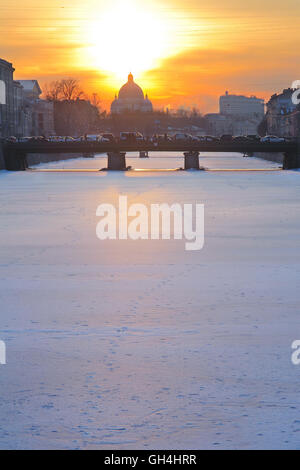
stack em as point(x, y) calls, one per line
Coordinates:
point(191, 160)
point(291, 160)
point(15, 161)
point(116, 161)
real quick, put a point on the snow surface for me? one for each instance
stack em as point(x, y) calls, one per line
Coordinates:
point(141, 344)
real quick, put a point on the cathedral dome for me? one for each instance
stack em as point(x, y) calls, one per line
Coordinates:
point(131, 90)
point(114, 105)
point(131, 99)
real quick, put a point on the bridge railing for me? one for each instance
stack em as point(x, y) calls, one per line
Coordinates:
point(15, 154)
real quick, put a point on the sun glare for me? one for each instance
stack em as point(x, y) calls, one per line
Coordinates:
point(127, 37)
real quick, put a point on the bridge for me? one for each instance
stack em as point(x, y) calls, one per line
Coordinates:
point(15, 154)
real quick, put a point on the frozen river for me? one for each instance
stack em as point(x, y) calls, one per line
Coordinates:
point(124, 344)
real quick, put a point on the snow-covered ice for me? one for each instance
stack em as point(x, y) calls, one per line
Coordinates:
point(141, 344)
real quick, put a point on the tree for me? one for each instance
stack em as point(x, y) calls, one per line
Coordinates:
point(95, 100)
point(70, 89)
point(52, 91)
point(67, 89)
point(75, 118)
point(74, 112)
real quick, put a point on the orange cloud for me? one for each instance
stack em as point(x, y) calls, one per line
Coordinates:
point(212, 46)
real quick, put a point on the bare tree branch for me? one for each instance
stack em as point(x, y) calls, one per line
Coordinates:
point(70, 89)
point(52, 91)
point(95, 100)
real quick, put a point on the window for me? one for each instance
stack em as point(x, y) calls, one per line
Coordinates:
point(2, 92)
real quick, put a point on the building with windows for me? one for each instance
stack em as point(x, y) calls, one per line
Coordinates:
point(131, 99)
point(6, 99)
point(22, 112)
point(38, 113)
point(238, 115)
point(283, 116)
point(18, 109)
point(238, 105)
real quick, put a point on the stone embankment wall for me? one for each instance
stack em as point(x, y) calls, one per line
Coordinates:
point(36, 158)
point(271, 157)
point(2, 164)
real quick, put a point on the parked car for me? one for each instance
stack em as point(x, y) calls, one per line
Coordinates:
point(131, 137)
point(107, 137)
point(160, 138)
point(38, 138)
point(91, 137)
point(182, 137)
point(208, 138)
point(11, 139)
point(164, 138)
point(254, 137)
point(139, 137)
point(124, 136)
point(56, 138)
point(24, 139)
point(226, 138)
point(241, 138)
point(272, 139)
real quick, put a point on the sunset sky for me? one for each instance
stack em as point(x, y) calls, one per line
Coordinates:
point(182, 52)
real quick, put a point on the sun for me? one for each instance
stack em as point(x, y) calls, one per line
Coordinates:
point(126, 37)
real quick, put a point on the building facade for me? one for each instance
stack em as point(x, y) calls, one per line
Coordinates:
point(238, 105)
point(18, 109)
point(22, 112)
point(238, 115)
point(38, 114)
point(218, 124)
point(6, 99)
point(283, 116)
point(131, 99)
